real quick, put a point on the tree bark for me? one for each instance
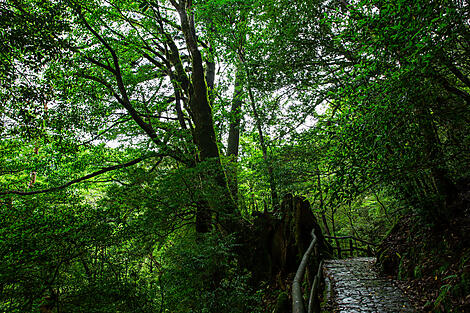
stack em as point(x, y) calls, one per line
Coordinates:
point(234, 134)
point(204, 133)
point(210, 75)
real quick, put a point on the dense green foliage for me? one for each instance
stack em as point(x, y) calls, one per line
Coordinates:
point(140, 138)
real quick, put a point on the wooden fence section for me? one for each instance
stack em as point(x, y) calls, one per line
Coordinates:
point(344, 244)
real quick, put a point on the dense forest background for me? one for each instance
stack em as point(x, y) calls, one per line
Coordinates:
point(142, 142)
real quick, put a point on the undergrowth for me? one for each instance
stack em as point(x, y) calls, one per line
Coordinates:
point(431, 262)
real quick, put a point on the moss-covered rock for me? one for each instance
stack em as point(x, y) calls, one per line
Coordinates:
point(283, 303)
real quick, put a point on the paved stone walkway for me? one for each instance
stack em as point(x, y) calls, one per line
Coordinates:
point(356, 287)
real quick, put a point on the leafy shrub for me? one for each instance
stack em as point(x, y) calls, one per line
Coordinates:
point(203, 276)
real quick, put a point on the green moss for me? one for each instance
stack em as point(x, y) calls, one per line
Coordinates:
point(282, 304)
point(417, 273)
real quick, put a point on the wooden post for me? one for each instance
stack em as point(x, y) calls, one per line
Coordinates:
point(338, 245)
point(351, 248)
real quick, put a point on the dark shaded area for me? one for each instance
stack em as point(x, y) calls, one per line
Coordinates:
point(432, 260)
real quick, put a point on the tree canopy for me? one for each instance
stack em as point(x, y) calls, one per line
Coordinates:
point(141, 141)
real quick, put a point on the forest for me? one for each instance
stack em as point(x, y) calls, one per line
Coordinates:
point(175, 155)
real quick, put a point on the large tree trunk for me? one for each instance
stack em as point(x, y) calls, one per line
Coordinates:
point(275, 246)
point(220, 200)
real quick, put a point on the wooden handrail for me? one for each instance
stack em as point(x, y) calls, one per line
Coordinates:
point(352, 237)
point(298, 305)
point(352, 247)
point(313, 303)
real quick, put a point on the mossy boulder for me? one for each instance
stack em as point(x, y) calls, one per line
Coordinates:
point(283, 303)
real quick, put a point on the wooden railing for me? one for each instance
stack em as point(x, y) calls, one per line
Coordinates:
point(352, 244)
point(298, 304)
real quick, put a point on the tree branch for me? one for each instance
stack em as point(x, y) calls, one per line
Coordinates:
point(75, 181)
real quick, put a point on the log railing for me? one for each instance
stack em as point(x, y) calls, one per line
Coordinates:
point(352, 244)
point(298, 304)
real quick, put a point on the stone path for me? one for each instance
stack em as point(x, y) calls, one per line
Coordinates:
point(356, 287)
